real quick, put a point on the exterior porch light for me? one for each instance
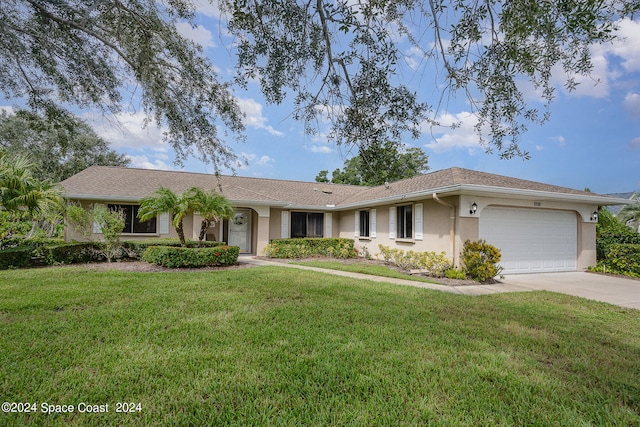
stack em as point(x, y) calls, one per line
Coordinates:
point(594, 216)
point(474, 208)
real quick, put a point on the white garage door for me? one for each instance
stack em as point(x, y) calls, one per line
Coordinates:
point(531, 240)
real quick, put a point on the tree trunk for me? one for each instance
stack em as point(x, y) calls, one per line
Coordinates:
point(180, 231)
point(203, 231)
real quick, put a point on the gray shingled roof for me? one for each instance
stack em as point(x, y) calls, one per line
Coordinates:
point(111, 183)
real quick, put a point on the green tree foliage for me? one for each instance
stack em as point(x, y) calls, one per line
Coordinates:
point(345, 59)
point(212, 206)
point(100, 53)
point(379, 163)
point(630, 215)
point(23, 197)
point(59, 151)
point(610, 231)
point(163, 200)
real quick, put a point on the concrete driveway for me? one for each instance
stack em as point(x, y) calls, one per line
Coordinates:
point(614, 290)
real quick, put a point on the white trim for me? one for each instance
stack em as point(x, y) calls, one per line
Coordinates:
point(418, 221)
point(284, 224)
point(163, 223)
point(357, 225)
point(372, 223)
point(392, 222)
point(328, 225)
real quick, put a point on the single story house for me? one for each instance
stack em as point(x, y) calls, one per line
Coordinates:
point(538, 227)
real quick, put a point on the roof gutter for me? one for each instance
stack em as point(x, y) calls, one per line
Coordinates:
point(595, 199)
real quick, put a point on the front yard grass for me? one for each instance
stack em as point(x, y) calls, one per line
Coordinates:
point(281, 346)
point(363, 268)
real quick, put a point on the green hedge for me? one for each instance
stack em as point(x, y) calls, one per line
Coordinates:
point(38, 254)
point(15, 257)
point(71, 253)
point(135, 248)
point(300, 248)
point(178, 257)
point(624, 259)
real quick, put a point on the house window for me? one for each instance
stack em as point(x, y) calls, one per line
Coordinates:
point(364, 224)
point(307, 224)
point(131, 222)
point(405, 222)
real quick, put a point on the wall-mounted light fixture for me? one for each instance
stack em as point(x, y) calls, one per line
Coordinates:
point(594, 216)
point(474, 208)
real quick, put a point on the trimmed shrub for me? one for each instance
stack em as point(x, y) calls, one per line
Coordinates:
point(435, 263)
point(135, 248)
point(71, 253)
point(15, 257)
point(334, 247)
point(624, 259)
point(480, 260)
point(62, 253)
point(179, 257)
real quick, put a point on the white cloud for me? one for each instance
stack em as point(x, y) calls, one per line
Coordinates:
point(7, 109)
point(628, 48)
point(144, 162)
point(559, 139)
point(253, 116)
point(249, 159)
point(208, 8)
point(632, 104)
point(324, 149)
point(198, 34)
point(128, 130)
point(462, 136)
point(539, 147)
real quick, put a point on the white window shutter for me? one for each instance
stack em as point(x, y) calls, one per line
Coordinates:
point(328, 225)
point(163, 219)
point(418, 221)
point(357, 225)
point(284, 225)
point(372, 223)
point(392, 222)
point(96, 226)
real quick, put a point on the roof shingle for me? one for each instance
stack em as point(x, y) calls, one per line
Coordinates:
point(110, 182)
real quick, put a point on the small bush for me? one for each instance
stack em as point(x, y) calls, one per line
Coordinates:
point(455, 273)
point(480, 260)
point(179, 257)
point(15, 257)
point(300, 248)
point(435, 263)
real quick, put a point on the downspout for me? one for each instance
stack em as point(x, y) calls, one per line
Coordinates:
point(452, 224)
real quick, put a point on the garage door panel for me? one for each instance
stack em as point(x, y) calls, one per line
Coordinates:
point(531, 240)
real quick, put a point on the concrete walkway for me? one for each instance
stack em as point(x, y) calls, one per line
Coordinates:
point(614, 290)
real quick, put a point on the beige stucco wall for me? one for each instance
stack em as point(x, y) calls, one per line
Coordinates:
point(436, 229)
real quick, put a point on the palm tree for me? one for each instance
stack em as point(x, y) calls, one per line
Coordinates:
point(630, 215)
point(212, 206)
point(162, 201)
point(20, 190)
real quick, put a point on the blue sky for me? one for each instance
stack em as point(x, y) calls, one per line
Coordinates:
point(592, 139)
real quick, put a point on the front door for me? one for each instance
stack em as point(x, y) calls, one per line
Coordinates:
point(240, 230)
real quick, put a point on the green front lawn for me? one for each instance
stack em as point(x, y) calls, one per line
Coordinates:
point(362, 268)
point(282, 346)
